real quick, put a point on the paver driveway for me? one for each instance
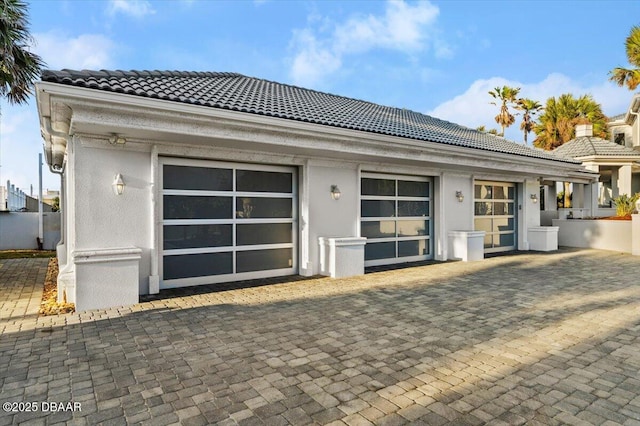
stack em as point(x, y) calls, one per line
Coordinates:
point(531, 338)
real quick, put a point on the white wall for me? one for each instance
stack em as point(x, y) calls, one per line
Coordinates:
point(457, 216)
point(18, 230)
point(104, 220)
point(599, 234)
point(329, 217)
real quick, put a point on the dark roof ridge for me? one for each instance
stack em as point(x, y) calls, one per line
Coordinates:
point(84, 73)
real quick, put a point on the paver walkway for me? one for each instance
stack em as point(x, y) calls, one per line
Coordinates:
point(21, 282)
point(526, 339)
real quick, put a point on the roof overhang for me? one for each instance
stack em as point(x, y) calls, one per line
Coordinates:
point(634, 108)
point(65, 111)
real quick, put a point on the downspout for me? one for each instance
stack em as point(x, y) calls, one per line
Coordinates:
point(58, 167)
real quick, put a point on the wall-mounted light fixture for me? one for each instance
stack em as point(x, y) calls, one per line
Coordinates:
point(534, 198)
point(335, 192)
point(118, 184)
point(117, 139)
point(459, 196)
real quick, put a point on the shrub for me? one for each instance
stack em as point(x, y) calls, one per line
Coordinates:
point(625, 204)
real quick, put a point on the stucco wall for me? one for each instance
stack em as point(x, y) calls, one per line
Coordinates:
point(105, 220)
point(599, 234)
point(19, 230)
point(329, 217)
point(457, 216)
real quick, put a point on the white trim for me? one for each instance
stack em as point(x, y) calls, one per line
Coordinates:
point(218, 279)
point(106, 255)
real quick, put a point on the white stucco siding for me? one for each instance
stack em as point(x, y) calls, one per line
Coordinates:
point(103, 219)
point(328, 217)
point(457, 216)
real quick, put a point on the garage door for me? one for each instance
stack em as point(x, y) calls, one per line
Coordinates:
point(395, 216)
point(495, 213)
point(226, 222)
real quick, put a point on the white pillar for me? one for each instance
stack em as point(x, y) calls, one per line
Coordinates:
point(624, 180)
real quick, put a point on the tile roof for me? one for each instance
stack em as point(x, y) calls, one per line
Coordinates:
point(619, 117)
point(592, 146)
point(237, 92)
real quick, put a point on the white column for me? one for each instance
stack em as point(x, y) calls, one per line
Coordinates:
point(624, 180)
point(615, 189)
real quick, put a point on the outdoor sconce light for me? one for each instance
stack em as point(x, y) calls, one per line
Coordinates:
point(118, 184)
point(534, 198)
point(459, 196)
point(335, 192)
point(117, 140)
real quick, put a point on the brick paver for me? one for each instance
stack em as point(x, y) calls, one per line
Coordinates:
point(522, 339)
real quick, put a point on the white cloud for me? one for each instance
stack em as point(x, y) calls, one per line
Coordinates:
point(134, 8)
point(403, 28)
point(86, 51)
point(473, 108)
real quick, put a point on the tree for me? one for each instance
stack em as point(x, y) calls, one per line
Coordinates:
point(506, 96)
point(630, 77)
point(55, 206)
point(557, 124)
point(529, 108)
point(19, 68)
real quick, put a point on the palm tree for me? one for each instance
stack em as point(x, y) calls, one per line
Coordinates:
point(557, 124)
point(19, 68)
point(630, 77)
point(530, 108)
point(506, 95)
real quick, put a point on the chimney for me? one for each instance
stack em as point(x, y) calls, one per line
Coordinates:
point(584, 130)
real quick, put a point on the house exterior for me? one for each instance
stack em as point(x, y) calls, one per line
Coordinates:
point(175, 179)
point(624, 129)
point(617, 164)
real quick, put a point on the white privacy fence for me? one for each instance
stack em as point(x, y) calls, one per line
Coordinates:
point(19, 231)
point(12, 198)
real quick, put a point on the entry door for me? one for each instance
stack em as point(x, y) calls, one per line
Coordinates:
point(495, 213)
point(226, 222)
point(395, 216)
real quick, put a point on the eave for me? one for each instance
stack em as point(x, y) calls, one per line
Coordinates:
point(96, 113)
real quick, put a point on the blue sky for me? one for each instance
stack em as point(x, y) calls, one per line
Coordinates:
point(438, 57)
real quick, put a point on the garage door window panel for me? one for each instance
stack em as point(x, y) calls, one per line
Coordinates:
point(261, 260)
point(263, 181)
point(197, 236)
point(197, 178)
point(260, 234)
point(197, 207)
point(197, 265)
point(263, 207)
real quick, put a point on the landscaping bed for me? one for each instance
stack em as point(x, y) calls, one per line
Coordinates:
point(50, 304)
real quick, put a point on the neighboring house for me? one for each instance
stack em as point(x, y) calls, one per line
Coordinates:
point(617, 164)
point(624, 129)
point(223, 177)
